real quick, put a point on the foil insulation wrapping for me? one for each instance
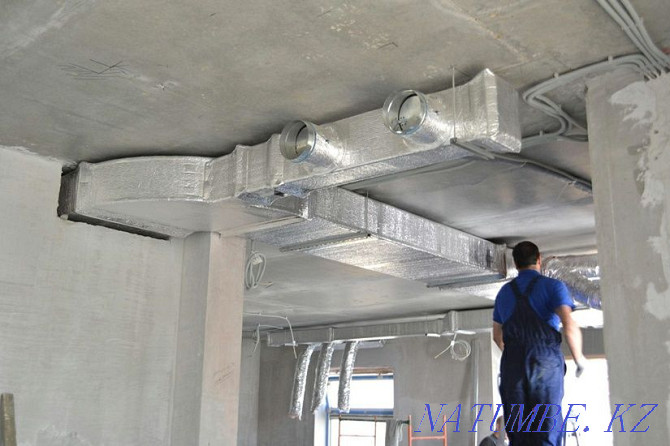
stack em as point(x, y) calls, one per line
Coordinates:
point(346, 374)
point(352, 229)
point(300, 381)
point(319, 146)
point(172, 196)
point(177, 196)
point(426, 122)
point(580, 274)
point(321, 379)
point(481, 111)
point(495, 104)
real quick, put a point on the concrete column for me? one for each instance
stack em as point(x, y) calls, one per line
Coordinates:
point(629, 141)
point(249, 392)
point(207, 370)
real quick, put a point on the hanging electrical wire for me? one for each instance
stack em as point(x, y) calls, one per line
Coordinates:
point(460, 349)
point(290, 327)
point(257, 334)
point(254, 269)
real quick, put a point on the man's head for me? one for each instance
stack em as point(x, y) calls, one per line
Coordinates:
point(526, 255)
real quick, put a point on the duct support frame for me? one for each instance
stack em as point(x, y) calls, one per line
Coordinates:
point(461, 321)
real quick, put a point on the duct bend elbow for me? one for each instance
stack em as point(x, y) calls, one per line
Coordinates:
point(418, 118)
point(304, 142)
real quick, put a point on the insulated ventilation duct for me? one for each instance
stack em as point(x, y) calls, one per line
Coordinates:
point(346, 374)
point(321, 379)
point(262, 186)
point(580, 274)
point(437, 119)
point(300, 382)
point(171, 196)
point(304, 142)
point(352, 229)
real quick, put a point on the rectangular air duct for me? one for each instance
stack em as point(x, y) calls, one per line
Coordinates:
point(242, 191)
point(352, 229)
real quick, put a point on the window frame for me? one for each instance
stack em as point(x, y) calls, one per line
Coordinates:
point(370, 414)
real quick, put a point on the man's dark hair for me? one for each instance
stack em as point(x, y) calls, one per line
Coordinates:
point(525, 254)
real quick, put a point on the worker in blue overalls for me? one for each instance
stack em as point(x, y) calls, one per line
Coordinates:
point(526, 326)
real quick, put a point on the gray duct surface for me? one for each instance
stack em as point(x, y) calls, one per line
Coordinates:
point(300, 381)
point(321, 377)
point(346, 374)
point(580, 274)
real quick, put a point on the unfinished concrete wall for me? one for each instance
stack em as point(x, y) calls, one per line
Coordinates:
point(418, 380)
point(592, 343)
point(88, 319)
point(629, 133)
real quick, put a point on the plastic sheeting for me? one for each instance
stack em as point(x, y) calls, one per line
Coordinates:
point(580, 274)
point(321, 379)
point(346, 373)
point(300, 381)
point(393, 432)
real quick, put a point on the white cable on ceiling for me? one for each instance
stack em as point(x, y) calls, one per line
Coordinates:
point(631, 23)
point(290, 327)
point(254, 269)
point(460, 350)
point(534, 96)
point(651, 63)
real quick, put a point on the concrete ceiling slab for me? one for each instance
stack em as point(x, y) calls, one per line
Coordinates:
point(93, 80)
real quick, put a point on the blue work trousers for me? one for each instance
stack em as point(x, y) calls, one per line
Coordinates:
point(532, 376)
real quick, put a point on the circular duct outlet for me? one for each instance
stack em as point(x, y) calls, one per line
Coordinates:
point(405, 111)
point(297, 141)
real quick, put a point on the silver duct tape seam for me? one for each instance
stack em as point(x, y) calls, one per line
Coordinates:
point(321, 380)
point(299, 382)
point(575, 273)
point(346, 373)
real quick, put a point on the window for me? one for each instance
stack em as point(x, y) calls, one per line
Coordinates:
point(371, 404)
